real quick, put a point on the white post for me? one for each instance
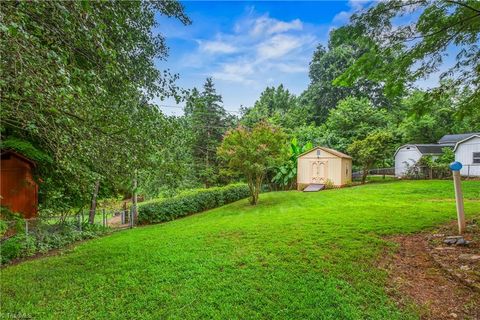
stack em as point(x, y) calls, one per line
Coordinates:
point(456, 166)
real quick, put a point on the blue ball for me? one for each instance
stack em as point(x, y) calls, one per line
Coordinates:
point(456, 166)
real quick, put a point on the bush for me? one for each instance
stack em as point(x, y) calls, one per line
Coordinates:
point(190, 202)
point(44, 238)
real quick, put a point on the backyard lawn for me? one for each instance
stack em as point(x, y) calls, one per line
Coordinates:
point(294, 255)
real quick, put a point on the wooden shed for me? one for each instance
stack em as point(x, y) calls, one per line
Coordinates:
point(18, 189)
point(322, 165)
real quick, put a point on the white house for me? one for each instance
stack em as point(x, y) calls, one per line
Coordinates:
point(466, 147)
point(407, 155)
point(467, 152)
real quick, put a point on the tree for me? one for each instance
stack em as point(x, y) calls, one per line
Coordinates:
point(208, 122)
point(374, 148)
point(353, 119)
point(252, 152)
point(76, 78)
point(329, 63)
point(418, 46)
point(278, 106)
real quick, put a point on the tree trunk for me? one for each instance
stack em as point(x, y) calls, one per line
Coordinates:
point(364, 175)
point(207, 161)
point(93, 205)
point(134, 196)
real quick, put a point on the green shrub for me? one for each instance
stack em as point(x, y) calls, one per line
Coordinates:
point(190, 202)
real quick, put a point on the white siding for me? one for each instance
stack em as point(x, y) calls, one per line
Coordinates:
point(464, 154)
point(406, 157)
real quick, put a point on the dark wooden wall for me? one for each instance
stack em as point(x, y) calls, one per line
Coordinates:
point(18, 189)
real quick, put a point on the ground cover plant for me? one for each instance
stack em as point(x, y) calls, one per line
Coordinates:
point(294, 255)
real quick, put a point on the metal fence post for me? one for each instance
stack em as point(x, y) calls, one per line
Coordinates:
point(79, 218)
point(131, 216)
point(123, 217)
point(26, 227)
point(104, 220)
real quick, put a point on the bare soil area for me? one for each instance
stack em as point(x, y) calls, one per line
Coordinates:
point(441, 280)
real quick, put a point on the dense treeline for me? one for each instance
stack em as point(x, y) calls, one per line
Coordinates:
point(78, 78)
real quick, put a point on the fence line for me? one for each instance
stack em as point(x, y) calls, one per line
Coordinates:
point(112, 219)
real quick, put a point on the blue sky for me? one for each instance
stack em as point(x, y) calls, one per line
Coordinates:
point(247, 46)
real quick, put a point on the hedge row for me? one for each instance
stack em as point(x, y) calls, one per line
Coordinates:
point(190, 202)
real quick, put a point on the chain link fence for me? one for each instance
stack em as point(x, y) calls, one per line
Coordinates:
point(57, 224)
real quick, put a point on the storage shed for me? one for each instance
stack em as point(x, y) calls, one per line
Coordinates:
point(407, 156)
point(18, 189)
point(323, 165)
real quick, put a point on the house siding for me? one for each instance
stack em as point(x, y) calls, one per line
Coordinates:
point(464, 154)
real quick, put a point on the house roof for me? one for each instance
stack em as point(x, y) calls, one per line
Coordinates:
point(426, 149)
point(452, 139)
point(334, 152)
point(466, 139)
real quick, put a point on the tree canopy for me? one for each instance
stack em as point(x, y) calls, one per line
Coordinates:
point(76, 78)
point(418, 47)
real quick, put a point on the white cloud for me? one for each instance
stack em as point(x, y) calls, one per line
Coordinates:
point(277, 46)
point(292, 68)
point(343, 17)
point(265, 25)
point(282, 45)
point(216, 47)
point(258, 51)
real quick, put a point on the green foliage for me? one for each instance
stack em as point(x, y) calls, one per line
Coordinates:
point(76, 78)
point(323, 94)
point(422, 122)
point(45, 238)
point(374, 148)
point(417, 47)
point(295, 255)
point(25, 148)
point(189, 202)
point(172, 167)
point(207, 123)
point(252, 152)
point(286, 174)
point(353, 119)
point(278, 106)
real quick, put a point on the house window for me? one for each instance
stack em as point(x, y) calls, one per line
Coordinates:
point(476, 157)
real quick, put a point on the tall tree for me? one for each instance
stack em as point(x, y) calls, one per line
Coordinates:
point(329, 63)
point(278, 106)
point(75, 78)
point(208, 122)
point(353, 119)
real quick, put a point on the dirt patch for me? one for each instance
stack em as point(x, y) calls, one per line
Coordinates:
point(415, 277)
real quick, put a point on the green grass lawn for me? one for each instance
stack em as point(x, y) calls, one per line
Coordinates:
point(294, 256)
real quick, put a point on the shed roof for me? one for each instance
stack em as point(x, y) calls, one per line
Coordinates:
point(426, 149)
point(430, 148)
point(454, 138)
point(332, 151)
point(18, 155)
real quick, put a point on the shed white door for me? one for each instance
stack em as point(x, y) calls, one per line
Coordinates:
point(319, 171)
